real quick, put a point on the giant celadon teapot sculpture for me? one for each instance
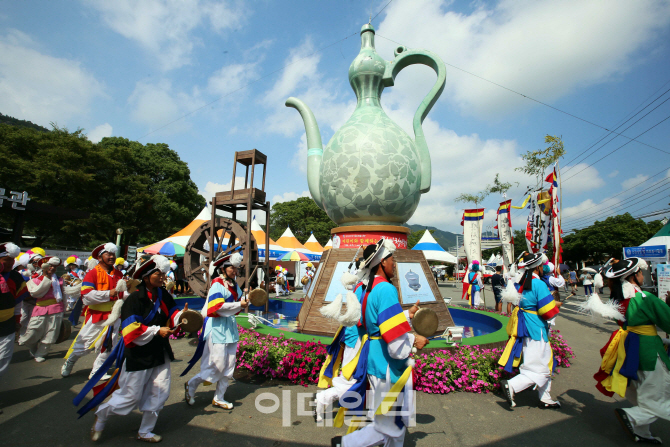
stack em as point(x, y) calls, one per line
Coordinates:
point(371, 172)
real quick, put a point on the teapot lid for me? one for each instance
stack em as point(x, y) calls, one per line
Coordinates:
point(367, 27)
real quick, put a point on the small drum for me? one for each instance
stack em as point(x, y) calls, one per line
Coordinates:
point(258, 297)
point(272, 285)
point(65, 331)
point(304, 280)
point(425, 322)
point(281, 281)
point(169, 286)
point(191, 321)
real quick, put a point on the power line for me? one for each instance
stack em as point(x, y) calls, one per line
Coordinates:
point(622, 192)
point(380, 11)
point(607, 135)
point(641, 216)
point(639, 199)
point(248, 84)
point(539, 102)
point(625, 144)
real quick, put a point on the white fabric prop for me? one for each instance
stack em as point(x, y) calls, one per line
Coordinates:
point(332, 311)
point(595, 307)
point(598, 281)
point(90, 264)
point(24, 259)
point(55, 286)
point(115, 314)
point(510, 295)
point(353, 313)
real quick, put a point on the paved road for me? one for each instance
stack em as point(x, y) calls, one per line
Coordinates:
point(38, 409)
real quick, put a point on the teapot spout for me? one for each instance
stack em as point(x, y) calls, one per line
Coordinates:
point(314, 148)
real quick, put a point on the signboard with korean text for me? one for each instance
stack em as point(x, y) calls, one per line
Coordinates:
point(658, 253)
point(356, 239)
point(663, 278)
point(18, 199)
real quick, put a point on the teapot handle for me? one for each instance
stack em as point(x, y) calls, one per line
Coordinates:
point(404, 58)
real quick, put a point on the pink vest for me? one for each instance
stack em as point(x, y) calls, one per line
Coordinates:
point(47, 305)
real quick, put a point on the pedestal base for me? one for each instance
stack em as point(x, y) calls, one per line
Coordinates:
point(413, 280)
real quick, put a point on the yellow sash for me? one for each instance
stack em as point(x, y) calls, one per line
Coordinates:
point(48, 302)
point(106, 306)
point(327, 382)
point(615, 356)
point(6, 314)
point(512, 327)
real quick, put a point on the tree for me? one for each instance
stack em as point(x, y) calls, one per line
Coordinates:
point(538, 161)
point(303, 216)
point(146, 190)
point(606, 238)
point(415, 236)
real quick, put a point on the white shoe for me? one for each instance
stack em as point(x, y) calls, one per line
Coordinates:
point(95, 434)
point(67, 368)
point(187, 395)
point(152, 438)
point(39, 359)
point(225, 405)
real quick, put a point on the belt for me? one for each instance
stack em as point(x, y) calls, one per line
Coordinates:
point(48, 302)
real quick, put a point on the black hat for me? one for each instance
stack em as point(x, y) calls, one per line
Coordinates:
point(625, 268)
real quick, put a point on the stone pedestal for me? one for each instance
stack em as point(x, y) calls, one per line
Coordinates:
point(413, 277)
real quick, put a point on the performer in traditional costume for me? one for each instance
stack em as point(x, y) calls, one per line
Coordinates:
point(44, 325)
point(279, 289)
point(34, 256)
point(102, 286)
point(13, 291)
point(475, 285)
point(219, 337)
point(389, 369)
point(149, 316)
point(71, 276)
point(635, 361)
point(309, 273)
point(345, 349)
point(21, 265)
point(529, 334)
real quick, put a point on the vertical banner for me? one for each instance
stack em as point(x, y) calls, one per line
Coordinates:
point(663, 278)
point(472, 222)
point(505, 234)
point(555, 217)
point(530, 224)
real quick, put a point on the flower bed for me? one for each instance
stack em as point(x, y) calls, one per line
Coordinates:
point(467, 368)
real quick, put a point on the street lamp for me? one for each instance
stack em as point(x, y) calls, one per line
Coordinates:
point(119, 232)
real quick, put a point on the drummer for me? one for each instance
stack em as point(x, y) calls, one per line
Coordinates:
point(47, 315)
point(71, 275)
point(224, 301)
point(149, 317)
point(309, 273)
point(279, 289)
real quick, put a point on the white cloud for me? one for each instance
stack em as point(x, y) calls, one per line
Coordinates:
point(302, 79)
point(542, 48)
point(634, 181)
point(100, 132)
point(158, 104)
point(41, 88)
point(587, 212)
point(289, 196)
point(613, 174)
point(166, 28)
point(230, 78)
point(212, 188)
point(586, 180)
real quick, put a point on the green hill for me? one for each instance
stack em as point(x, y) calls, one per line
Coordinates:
point(4, 119)
point(446, 239)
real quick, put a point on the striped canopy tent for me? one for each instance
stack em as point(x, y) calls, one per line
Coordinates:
point(432, 250)
point(313, 245)
point(329, 245)
point(660, 238)
point(182, 236)
point(289, 242)
point(276, 251)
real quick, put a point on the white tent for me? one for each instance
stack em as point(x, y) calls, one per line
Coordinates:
point(660, 238)
point(313, 245)
point(492, 259)
point(432, 250)
point(328, 245)
point(499, 259)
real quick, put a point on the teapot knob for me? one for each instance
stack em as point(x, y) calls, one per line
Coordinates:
point(399, 50)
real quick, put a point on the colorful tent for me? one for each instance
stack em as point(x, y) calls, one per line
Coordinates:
point(294, 256)
point(288, 240)
point(165, 248)
point(660, 238)
point(276, 251)
point(329, 245)
point(432, 250)
point(313, 245)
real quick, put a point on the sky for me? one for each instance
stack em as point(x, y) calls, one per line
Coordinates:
point(211, 77)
